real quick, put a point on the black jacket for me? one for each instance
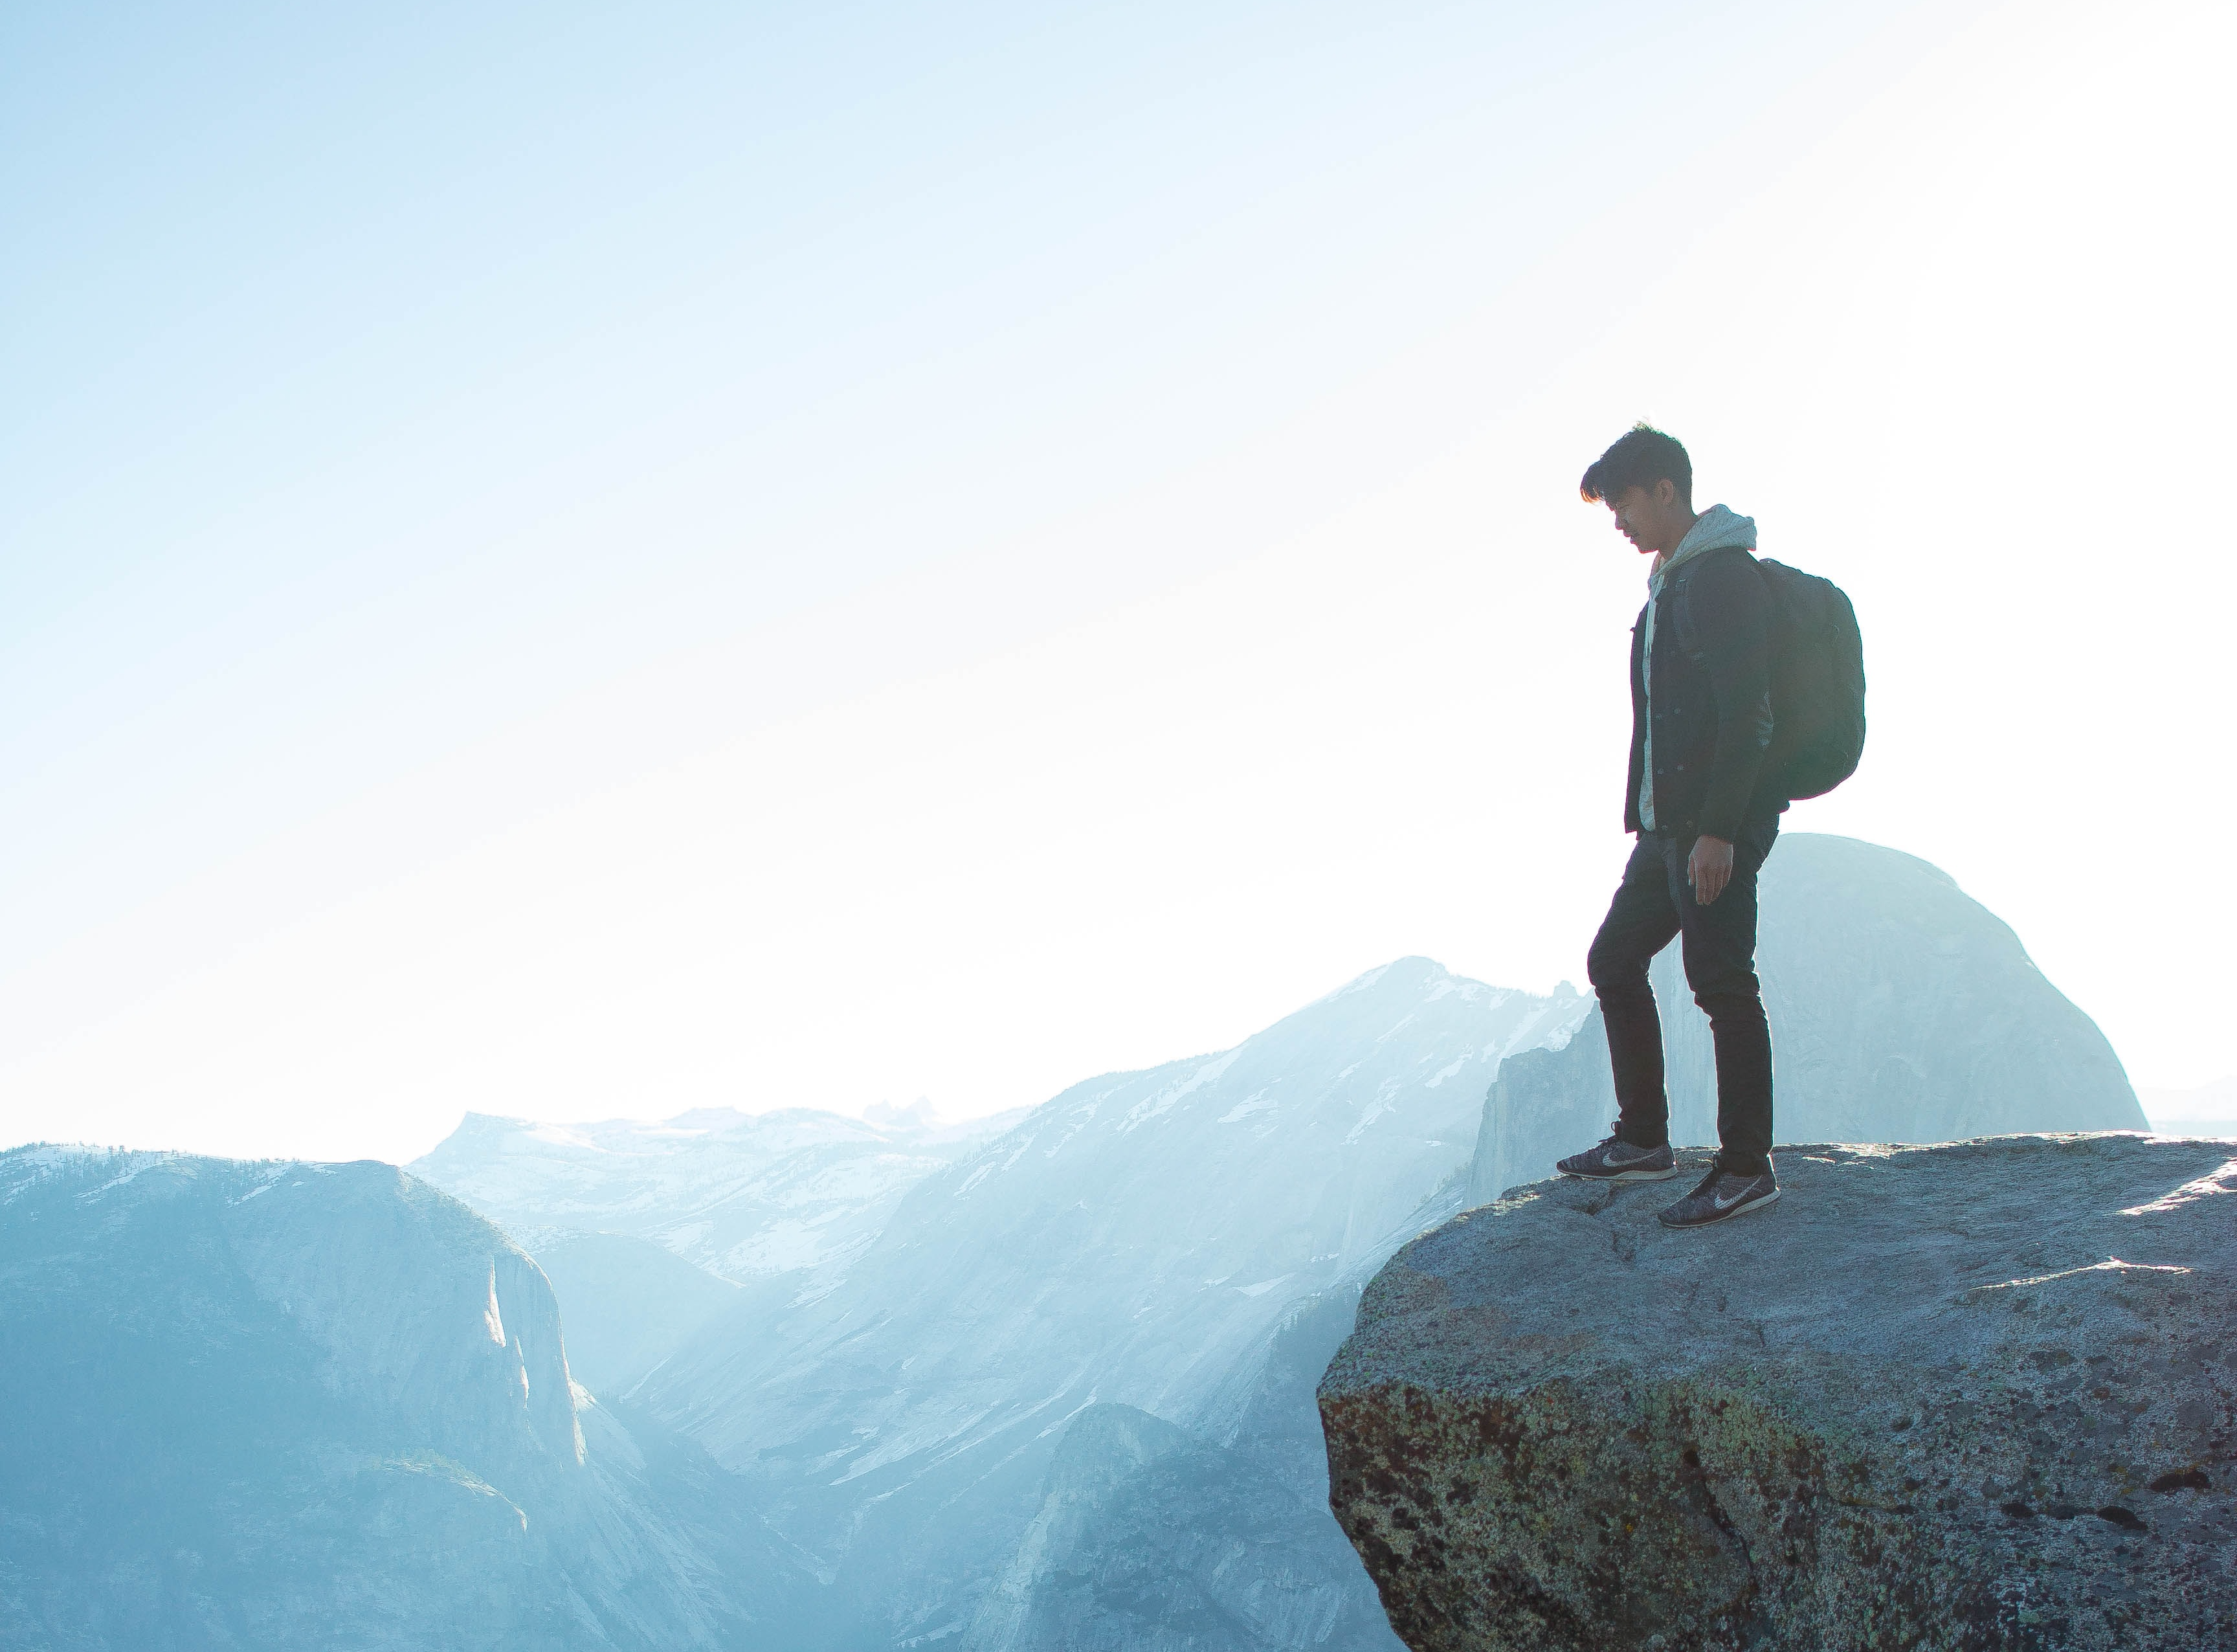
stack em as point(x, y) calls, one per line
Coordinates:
point(1712, 700)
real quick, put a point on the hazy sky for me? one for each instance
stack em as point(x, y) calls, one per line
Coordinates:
point(579, 561)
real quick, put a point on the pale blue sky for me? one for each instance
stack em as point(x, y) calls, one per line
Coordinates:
point(424, 428)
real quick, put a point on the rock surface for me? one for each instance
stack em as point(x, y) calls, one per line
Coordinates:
point(1901, 1010)
point(1976, 1396)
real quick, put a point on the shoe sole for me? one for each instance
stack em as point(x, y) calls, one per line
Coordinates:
point(1621, 1175)
point(1771, 1197)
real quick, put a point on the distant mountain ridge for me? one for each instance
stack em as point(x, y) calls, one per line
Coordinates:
point(1140, 1239)
point(2204, 1110)
point(744, 1195)
point(650, 1227)
point(1048, 1389)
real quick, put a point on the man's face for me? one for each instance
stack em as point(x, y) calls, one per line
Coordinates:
point(1651, 518)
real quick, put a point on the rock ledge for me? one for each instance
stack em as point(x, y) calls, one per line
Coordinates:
point(1982, 1395)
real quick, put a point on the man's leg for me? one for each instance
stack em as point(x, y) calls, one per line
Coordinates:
point(1639, 924)
point(1719, 951)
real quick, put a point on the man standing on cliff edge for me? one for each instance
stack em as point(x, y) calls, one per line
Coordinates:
point(1706, 808)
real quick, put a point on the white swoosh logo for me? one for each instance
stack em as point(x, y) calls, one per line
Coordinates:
point(1726, 1204)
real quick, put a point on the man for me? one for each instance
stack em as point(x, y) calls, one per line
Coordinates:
point(1706, 812)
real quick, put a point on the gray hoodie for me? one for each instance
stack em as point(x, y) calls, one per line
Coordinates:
point(1716, 528)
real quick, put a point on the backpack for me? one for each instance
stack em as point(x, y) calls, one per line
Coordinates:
point(1817, 679)
point(1817, 682)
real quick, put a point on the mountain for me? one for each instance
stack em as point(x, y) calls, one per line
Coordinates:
point(649, 1227)
point(1149, 1535)
point(869, 1384)
point(743, 1195)
point(629, 1304)
point(2209, 1110)
point(1901, 1010)
point(1146, 1240)
point(286, 1405)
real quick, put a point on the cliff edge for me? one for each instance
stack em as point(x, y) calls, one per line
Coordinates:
point(1980, 1395)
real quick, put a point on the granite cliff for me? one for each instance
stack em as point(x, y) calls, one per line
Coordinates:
point(1961, 1397)
point(289, 1404)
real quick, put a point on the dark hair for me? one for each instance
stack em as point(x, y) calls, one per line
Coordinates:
point(1639, 457)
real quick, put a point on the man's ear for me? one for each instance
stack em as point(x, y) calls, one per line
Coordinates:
point(1666, 492)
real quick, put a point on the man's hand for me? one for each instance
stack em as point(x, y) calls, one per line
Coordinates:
point(1709, 868)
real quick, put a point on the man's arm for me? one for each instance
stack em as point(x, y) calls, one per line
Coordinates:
point(1731, 613)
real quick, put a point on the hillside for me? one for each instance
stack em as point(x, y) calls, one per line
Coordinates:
point(285, 1405)
point(1141, 1240)
point(652, 1226)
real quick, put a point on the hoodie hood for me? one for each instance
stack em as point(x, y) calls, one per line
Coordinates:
point(1718, 528)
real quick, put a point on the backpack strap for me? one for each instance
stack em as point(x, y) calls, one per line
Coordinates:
point(1681, 601)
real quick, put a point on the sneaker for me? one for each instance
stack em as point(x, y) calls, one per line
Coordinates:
point(1616, 1160)
point(1721, 1195)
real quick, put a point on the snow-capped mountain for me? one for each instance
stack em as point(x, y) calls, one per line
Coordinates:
point(744, 1196)
point(650, 1228)
point(1141, 1240)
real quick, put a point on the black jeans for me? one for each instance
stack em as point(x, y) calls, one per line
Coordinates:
point(1653, 903)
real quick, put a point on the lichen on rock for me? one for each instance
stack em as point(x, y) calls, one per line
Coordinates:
point(1980, 1395)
